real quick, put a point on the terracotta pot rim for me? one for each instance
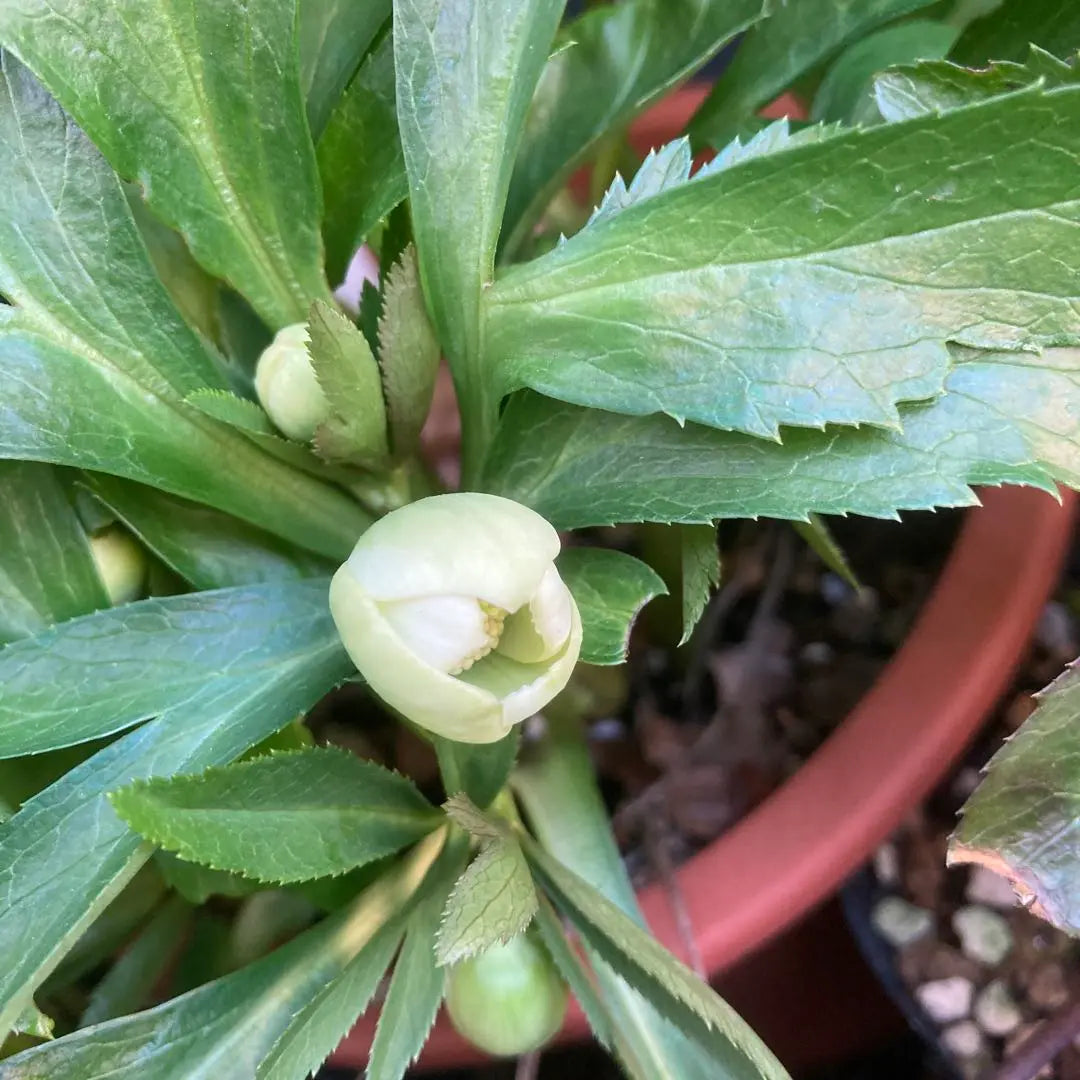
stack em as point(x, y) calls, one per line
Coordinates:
point(787, 855)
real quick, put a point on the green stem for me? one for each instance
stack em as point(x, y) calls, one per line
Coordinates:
point(479, 418)
point(556, 785)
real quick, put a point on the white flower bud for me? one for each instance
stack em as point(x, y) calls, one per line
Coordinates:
point(286, 385)
point(453, 611)
point(121, 564)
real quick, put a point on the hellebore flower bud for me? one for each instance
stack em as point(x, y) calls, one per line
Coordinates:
point(453, 611)
point(286, 385)
point(507, 1000)
point(121, 564)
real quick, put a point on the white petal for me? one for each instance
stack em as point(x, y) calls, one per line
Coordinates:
point(539, 630)
point(464, 544)
point(429, 698)
point(447, 632)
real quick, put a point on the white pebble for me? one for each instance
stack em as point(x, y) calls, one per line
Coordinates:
point(963, 1040)
point(887, 864)
point(984, 934)
point(946, 1000)
point(997, 1011)
point(899, 922)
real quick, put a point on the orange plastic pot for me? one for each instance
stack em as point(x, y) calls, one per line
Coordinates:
point(780, 862)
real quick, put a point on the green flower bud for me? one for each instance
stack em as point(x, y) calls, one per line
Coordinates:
point(508, 1000)
point(453, 611)
point(121, 564)
point(286, 385)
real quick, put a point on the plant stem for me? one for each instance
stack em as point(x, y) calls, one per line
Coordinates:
point(557, 787)
point(1040, 1047)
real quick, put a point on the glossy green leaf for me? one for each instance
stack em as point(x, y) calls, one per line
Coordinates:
point(349, 377)
point(408, 353)
point(933, 87)
point(844, 93)
point(46, 572)
point(669, 986)
point(360, 159)
point(208, 549)
point(1005, 418)
point(465, 75)
point(231, 1025)
point(618, 59)
point(416, 988)
point(699, 559)
point(820, 539)
point(281, 817)
point(1006, 32)
point(610, 589)
point(837, 304)
point(493, 900)
point(128, 984)
point(195, 293)
point(574, 973)
point(93, 339)
point(333, 35)
point(66, 854)
point(326, 1018)
point(1021, 820)
point(34, 1023)
point(98, 674)
point(480, 770)
point(204, 109)
point(793, 40)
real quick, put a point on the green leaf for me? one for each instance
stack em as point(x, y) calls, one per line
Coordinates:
point(194, 292)
point(480, 770)
point(618, 60)
point(207, 548)
point(416, 988)
point(334, 35)
point(700, 563)
point(669, 986)
point(66, 854)
point(493, 900)
point(1005, 418)
point(360, 159)
point(196, 884)
point(464, 79)
point(204, 109)
point(93, 339)
point(662, 169)
point(328, 1016)
point(1005, 33)
point(936, 86)
point(231, 1025)
point(130, 981)
point(481, 826)
point(780, 49)
point(574, 973)
point(98, 674)
point(820, 539)
point(46, 572)
point(281, 817)
point(349, 376)
point(675, 306)
point(1021, 820)
point(408, 353)
point(844, 92)
point(610, 588)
